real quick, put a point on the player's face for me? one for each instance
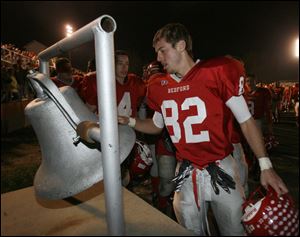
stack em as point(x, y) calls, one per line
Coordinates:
point(122, 65)
point(167, 55)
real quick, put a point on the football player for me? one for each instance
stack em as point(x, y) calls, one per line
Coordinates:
point(192, 101)
point(129, 87)
point(130, 91)
point(163, 170)
point(64, 76)
point(260, 106)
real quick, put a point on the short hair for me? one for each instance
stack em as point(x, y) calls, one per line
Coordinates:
point(173, 33)
point(60, 62)
point(120, 52)
point(252, 75)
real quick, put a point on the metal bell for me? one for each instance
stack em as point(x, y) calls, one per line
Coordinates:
point(68, 166)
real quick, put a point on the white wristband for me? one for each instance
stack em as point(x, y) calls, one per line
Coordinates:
point(264, 163)
point(132, 122)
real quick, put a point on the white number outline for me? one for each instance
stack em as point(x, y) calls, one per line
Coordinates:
point(203, 136)
point(125, 102)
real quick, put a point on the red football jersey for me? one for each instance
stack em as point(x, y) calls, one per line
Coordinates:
point(194, 109)
point(259, 102)
point(129, 95)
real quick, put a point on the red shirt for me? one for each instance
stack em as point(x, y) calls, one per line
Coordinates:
point(129, 95)
point(194, 109)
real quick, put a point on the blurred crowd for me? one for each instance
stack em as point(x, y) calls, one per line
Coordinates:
point(284, 96)
point(15, 64)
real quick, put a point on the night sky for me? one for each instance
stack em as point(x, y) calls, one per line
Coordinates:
point(261, 33)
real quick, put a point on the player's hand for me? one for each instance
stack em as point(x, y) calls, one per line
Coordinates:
point(269, 177)
point(123, 120)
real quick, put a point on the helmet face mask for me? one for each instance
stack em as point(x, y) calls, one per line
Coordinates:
point(142, 160)
point(270, 142)
point(270, 215)
point(153, 68)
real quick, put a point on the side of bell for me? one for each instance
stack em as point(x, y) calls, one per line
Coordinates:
point(127, 135)
point(66, 169)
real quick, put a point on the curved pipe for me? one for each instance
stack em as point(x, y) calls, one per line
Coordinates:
point(104, 23)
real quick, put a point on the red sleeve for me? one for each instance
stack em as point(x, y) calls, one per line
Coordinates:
point(151, 97)
point(91, 90)
point(231, 76)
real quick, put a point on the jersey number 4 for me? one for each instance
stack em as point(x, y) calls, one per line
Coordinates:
point(203, 136)
point(124, 107)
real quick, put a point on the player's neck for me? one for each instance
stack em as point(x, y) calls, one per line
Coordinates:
point(67, 81)
point(185, 66)
point(121, 80)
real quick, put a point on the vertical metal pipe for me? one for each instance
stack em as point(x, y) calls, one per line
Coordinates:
point(106, 89)
point(44, 67)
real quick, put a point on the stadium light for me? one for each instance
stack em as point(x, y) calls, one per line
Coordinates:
point(69, 30)
point(297, 48)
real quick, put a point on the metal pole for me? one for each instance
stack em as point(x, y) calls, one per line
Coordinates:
point(44, 67)
point(106, 89)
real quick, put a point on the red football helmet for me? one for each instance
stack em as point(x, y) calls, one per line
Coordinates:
point(271, 215)
point(142, 161)
point(152, 68)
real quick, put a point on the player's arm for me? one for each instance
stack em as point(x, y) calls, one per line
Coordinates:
point(152, 125)
point(254, 138)
point(92, 108)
